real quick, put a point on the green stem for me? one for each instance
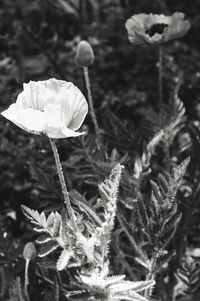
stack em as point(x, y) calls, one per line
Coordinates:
point(92, 111)
point(62, 182)
point(160, 77)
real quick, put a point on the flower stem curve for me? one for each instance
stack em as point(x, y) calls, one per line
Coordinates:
point(92, 111)
point(62, 181)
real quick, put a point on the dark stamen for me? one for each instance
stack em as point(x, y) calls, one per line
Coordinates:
point(156, 28)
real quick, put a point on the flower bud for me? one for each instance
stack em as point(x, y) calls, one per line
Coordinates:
point(29, 251)
point(84, 54)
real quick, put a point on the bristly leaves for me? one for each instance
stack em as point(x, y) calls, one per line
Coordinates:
point(142, 165)
point(39, 220)
point(64, 259)
point(109, 192)
point(188, 278)
point(99, 286)
point(160, 219)
point(88, 243)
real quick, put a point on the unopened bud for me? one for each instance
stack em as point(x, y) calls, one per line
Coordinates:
point(84, 54)
point(29, 251)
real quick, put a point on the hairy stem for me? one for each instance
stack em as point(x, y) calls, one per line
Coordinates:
point(92, 111)
point(147, 291)
point(62, 181)
point(167, 158)
point(160, 76)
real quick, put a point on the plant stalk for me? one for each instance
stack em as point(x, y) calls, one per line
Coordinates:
point(160, 77)
point(62, 182)
point(92, 111)
point(26, 280)
point(146, 293)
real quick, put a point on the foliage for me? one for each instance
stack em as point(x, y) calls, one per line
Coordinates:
point(141, 230)
point(188, 279)
point(87, 244)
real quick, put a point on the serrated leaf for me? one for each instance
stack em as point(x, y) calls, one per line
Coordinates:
point(113, 279)
point(50, 220)
point(171, 224)
point(164, 185)
point(48, 248)
point(109, 191)
point(44, 238)
point(79, 200)
point(136, 286)
point(156, 191)
point(34, 216)
point(56, 225)
point(64, 229)
point(64, 259)
point(163, 259)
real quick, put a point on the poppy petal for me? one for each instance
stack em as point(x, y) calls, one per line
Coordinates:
point(70, 133)
point(27, 119)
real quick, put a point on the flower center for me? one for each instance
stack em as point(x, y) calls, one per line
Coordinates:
point(156, 28)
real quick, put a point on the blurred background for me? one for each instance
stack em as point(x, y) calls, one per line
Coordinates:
point(38, 40)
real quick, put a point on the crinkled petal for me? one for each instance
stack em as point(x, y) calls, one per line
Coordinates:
point(35, 95)
point(55, 85)
point(28, 119)
point(54, 107)
point(79, 115)
point(152, 19)
point(53, 115)
point(75, 108)
point(155, 39)
point(136, 28)
point(70, 133)
point(136, 38)
point(177, 28)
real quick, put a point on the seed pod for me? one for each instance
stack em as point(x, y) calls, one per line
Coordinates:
point(29, 251)
point(84, 54)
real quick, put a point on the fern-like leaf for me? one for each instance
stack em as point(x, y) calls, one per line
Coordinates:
point(64, 259)
point(109, 191)
point(48, 248)
point(188, 276)
point(35, 217)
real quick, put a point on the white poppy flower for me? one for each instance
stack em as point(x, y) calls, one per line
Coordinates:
point(53, 107)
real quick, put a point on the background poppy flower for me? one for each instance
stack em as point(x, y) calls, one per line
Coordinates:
point(54, 107)
point(152, 29)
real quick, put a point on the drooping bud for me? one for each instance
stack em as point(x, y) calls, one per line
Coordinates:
point(29, 251)
point(84, 54)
